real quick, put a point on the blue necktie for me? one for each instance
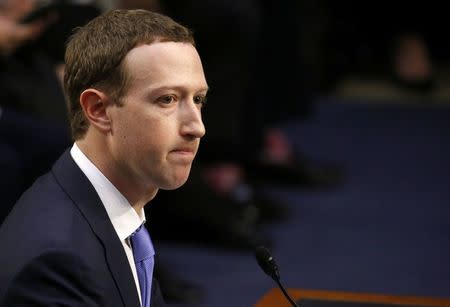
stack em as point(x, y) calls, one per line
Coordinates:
point(143, 253)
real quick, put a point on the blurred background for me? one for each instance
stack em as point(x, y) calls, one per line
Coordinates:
point(327, 141)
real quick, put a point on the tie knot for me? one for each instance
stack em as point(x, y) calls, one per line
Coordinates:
point(142, 244)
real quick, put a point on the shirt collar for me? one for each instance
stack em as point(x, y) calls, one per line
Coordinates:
point(124, 218)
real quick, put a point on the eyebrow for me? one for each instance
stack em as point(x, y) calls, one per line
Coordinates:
point(176, 87)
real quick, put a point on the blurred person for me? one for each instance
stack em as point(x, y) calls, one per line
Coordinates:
point(284, 88)
point(135, 88)
point(31, 94)
point(28, 143)
point(401, 42)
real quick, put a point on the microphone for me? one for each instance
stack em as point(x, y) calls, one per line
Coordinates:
point(269, 266)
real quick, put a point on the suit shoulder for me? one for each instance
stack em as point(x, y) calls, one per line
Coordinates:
point(44, 218)
point(45, 205)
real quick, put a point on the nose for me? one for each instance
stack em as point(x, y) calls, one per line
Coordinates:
point(191, 121)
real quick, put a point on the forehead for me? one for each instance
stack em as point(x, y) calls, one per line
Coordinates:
point(163, 60)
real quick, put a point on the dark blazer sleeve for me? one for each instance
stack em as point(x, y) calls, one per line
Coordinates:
point(54, 278)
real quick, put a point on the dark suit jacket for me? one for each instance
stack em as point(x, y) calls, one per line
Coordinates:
point(59, 248)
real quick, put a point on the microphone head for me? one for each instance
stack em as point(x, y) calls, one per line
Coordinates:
point(267, 263)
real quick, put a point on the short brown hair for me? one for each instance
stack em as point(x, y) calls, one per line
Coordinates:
point(95, 53)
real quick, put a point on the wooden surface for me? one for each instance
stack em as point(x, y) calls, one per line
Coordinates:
point(276, 298)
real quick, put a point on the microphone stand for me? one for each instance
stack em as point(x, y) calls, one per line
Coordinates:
point(285, 293)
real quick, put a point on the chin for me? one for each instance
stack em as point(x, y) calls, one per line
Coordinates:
point(172, 186)
point(174, 183)
point(174, 178)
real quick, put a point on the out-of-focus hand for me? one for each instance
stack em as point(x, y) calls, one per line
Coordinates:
point(13, 34)
point(16, 9)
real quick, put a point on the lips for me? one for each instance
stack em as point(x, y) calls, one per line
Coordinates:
point(186, 150)
point(184, 153)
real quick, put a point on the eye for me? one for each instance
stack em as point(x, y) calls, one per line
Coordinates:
point(200, 100)
point(168, 99)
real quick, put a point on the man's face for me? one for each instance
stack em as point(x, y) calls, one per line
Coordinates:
point(156, 133)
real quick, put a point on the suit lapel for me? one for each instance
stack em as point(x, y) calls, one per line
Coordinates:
point(83, 194)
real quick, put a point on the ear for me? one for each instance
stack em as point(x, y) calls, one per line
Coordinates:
point(94, 104)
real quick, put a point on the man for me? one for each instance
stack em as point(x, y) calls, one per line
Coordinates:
point(135, 88)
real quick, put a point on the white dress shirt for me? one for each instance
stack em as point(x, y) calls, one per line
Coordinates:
point(123, 217)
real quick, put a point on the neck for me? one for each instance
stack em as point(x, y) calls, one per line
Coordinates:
point(137, 193)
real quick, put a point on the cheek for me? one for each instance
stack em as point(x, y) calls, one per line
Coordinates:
point(127, 133)
point(160, 127)
point(154, 136)
point(142, 132)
